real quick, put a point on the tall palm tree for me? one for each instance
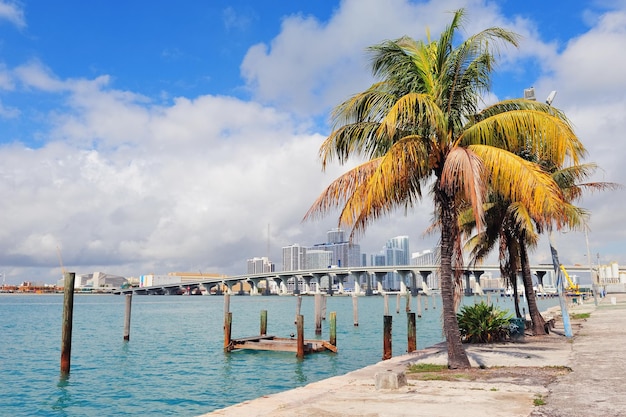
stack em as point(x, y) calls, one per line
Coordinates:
point(420, 126)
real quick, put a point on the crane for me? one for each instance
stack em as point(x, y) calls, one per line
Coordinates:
point(572, 286)
point(60, 261)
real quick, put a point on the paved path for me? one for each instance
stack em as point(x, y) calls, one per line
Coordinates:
point(595, 387)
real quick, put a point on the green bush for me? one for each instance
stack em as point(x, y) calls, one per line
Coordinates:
point(481, 323)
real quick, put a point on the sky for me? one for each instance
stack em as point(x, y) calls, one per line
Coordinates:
point(139, 137)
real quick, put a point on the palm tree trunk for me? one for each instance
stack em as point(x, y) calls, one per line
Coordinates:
point(457, 358)
point(539, 324)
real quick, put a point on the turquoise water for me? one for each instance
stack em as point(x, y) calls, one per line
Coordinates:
point(174, 363)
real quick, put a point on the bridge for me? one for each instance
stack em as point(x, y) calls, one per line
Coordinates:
point(366, 280)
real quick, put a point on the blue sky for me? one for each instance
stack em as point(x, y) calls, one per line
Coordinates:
point(145, 137)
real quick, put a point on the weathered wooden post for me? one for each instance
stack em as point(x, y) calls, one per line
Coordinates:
point(318, 313)
point(333, 328)
point(355, 310)
point(226, 305)
point(386, 298)
point(68, 313)
point(408, 302)
point(411, 333)
point(298, 307)
point(300, 336)
point(387, 337)
point(419, 305)
point(263, 323)
point(129, 301)
point(228, 322)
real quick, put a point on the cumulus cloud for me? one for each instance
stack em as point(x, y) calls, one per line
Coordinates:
point(130, 186)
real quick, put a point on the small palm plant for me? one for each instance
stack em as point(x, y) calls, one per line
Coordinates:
point(482, 323)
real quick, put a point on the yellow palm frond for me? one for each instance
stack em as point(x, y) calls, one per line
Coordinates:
point(519, 180)
point(463, 176)
point(544, 135)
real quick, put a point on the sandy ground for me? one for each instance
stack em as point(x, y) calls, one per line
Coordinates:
point(548, 376)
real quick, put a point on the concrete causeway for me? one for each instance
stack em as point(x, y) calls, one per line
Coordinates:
point(530, 378)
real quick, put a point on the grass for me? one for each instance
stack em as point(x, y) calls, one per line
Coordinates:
point(539, 400)
point(580, 316)
point(426, 367)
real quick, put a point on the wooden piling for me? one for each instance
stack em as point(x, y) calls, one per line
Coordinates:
point(318, 313)
point(407, 308)
point(419, 305)
point(333, 328)
point(355, 310)
point(263, 331)
point(411, 333)
point(386, 298)
point(226, 305)
point(298, 308)
point(68, 313)
point(228, 322)
point(300, 340)
point(129, 301)
point(387, 337)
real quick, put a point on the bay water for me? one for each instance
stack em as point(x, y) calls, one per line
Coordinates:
point(174, 363)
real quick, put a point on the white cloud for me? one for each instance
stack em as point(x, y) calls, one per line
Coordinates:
point(12, 12)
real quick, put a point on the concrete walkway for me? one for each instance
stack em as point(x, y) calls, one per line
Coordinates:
point(518, 379)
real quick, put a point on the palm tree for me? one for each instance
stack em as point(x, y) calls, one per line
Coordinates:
point(420, 126)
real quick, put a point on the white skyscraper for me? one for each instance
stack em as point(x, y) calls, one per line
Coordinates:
point(294, 258)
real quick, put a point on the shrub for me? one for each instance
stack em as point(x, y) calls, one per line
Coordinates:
point(481, 323)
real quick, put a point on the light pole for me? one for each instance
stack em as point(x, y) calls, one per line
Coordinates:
point(594, 284)
point(567, 327)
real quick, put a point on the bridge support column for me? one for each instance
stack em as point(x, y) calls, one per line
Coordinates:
point(306, 281)
point(403, 274)
point(318, 278)
point(254, 284)
point(379, 281)
point(424, 284)
point(341, 278)
point(468, 288)
point(229, 287)
point(540, 275)
point(477, 287)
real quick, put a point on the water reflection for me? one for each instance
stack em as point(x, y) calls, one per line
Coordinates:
point(64, 397)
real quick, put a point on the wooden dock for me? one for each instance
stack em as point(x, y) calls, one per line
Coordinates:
point(296, 343)
point(280, 344)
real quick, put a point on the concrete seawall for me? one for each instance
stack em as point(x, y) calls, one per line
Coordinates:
point(547, 376)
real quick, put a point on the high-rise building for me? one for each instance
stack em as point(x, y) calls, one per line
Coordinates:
point(344, 253)
point(396, 252)
point(260, 265)
point(294, 258)
point(318, 259)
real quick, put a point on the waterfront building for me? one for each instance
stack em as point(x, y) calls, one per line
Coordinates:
point(344, 253)
point(294, 258)
point(318, 259)
point(260, 265)
point(396, 252)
